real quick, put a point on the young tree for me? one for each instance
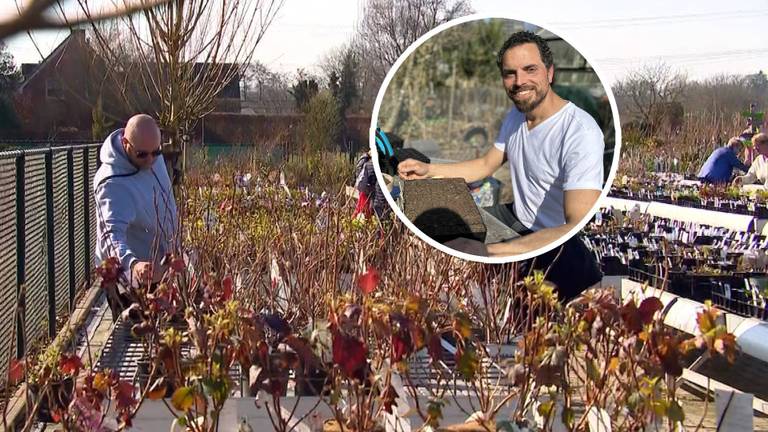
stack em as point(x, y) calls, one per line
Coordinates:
point(186, 53)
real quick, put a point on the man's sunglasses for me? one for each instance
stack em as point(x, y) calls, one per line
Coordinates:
point(144, 154)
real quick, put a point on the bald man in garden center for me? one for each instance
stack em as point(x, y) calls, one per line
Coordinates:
point(135, 207)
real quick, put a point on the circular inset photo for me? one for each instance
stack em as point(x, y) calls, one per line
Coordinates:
point(495, 139)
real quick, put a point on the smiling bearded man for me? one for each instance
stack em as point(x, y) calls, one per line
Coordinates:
point(555, 153)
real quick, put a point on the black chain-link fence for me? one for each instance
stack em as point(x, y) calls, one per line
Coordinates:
point(47, 223)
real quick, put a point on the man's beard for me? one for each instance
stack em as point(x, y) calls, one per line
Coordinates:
point(530, 104)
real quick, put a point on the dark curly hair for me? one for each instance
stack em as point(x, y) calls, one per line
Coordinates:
point(523, 37)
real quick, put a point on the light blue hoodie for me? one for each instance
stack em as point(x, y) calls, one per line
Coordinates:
point(136, 214)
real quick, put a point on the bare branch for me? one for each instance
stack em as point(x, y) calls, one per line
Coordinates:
point(34, 16)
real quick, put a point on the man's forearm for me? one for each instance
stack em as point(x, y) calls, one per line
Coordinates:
point(470, 171)
point(528, 242)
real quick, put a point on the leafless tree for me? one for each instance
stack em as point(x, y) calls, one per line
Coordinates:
point(649, 93)
point(388, 27)
point(266, 91)
point(184, 53)
point(41, 14)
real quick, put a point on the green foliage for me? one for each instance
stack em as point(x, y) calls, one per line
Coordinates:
point(319, 171)
point(322, 123)
point(304, 90)
point(10, 76)
point(342, 81)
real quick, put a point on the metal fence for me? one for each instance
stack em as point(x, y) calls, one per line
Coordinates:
point(47, 221)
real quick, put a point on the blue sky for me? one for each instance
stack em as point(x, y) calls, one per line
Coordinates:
point(700, 38)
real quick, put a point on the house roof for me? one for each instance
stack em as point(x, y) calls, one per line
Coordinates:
point(54, 55)
point(230, 90)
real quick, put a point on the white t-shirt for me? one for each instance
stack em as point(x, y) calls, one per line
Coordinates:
point(564, 152)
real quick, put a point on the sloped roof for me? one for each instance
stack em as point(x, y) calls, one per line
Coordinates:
point(54, 55)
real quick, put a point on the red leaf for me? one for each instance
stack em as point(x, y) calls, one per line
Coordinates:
point(16, 371)
point(226, 285)
point(350, 354)
point(388, 399)
point(631, 317)
point(109, 270)
point(368, 280)
point(56, 416)
point(70, 364)
point(123, 395)
point(435, 347)
point(648, 308)
point(666, 349)
point(401, 337)
point(177, 264)
point(400, 346)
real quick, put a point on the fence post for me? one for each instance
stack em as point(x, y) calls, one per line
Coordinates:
point(49, 241)
point(71, 226)
point(86, 214)
point(20, 249)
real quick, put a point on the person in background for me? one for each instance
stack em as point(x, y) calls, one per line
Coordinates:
point(365, 184)
point(758, 172)
point(718, 167)
point(371, 198)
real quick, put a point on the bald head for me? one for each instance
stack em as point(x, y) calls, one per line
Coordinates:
point(735, 143)
point(761, 138)
point(761, 143)
point(141, 140)
point(142, 127)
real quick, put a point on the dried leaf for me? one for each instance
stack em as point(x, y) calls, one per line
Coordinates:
point(613, 364)
point(158, 389)
point(226, 288)
point(462, 325)
point(467, 362)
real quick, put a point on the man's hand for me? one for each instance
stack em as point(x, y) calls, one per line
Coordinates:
point(472, 247)
point(411, 169)
point(738, 181)
point(141, 272)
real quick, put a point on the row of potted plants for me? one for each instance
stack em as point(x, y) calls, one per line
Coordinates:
point(283, 283)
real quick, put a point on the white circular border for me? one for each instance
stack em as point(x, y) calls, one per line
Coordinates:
point(490, 260)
